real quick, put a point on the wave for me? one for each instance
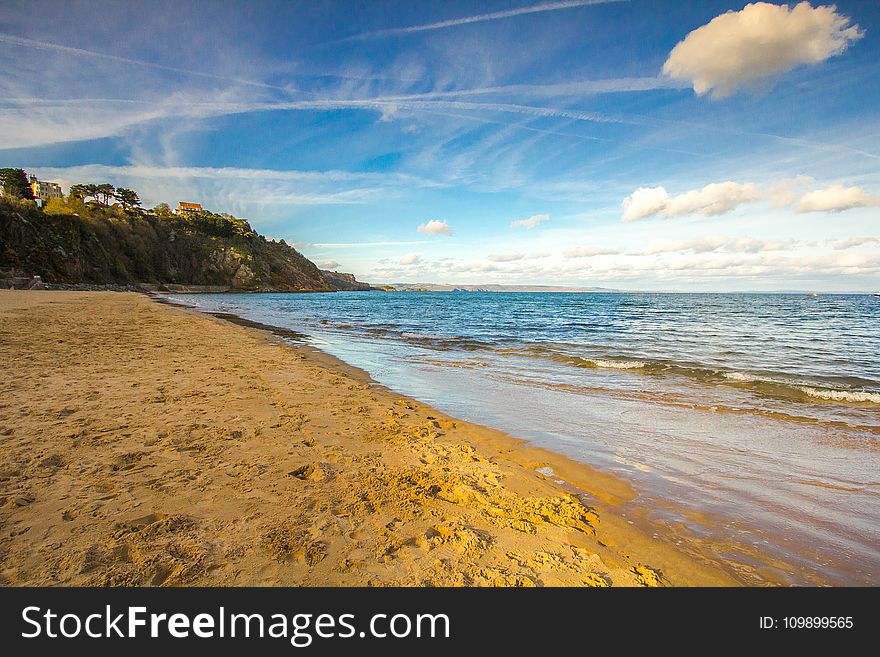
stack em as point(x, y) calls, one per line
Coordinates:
point(788, 386)
point(842, 395)
point(847, 390)
point(615, 364)
point(741, 377)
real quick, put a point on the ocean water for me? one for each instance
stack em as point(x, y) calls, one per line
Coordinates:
point(746, 422)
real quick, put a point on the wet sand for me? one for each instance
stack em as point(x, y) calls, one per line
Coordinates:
point(146, 444)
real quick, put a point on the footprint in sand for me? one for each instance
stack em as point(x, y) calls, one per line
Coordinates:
point(308, 472)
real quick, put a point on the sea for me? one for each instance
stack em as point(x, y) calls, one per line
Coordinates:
point(747, 424)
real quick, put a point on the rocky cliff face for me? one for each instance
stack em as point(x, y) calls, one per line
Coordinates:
point(79, 244)
point(344, 282)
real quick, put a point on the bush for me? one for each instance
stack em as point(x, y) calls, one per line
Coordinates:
point(57, 206)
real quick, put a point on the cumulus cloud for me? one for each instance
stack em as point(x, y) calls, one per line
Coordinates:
point(752, 47)
point(590, 251)
point(411, 259)
point(506, 257)
point(713, 199)
point(836, 198)
point(435, 227)
point(531, 222)
point(645, 202)
point(786, 192)
point(328, 264)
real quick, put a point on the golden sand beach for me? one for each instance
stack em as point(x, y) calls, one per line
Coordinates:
point(146, 444)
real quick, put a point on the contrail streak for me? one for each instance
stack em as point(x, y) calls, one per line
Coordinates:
point(45, 45)
point(481, 18)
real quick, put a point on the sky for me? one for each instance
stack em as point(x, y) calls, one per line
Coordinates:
point(629, 144)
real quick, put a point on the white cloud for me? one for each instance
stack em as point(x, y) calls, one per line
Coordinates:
point(752, 245)
point(853, 242)
point(388, 113)
point(645, 202)
point(786, 192)
point(721, 198)
point(752, 47)
point(328, 264)
point(411, 259)
point(836, 198)
point(713, 243)
point(713, 199)
point(590, 251)
point(704, 244)
point(471, 267)
point(435, 227)
point(506, 257)
point(531, 222)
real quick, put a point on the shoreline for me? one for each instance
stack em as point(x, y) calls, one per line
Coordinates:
point(327, 478)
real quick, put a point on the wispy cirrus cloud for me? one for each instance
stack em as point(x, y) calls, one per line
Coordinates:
point(33, 122)
point(557, 90)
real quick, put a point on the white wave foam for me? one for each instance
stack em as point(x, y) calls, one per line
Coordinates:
point(842, 395)
point(739, 376)
point(617, 364)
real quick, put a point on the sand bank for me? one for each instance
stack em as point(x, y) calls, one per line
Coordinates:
point(145, 444)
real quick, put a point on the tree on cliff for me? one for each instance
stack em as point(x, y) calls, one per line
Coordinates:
point(15, 184)
point(101, 193)
point(163, 210)
point(104, 191)
point(79, 191)
point(82, 192)
point(127, 198)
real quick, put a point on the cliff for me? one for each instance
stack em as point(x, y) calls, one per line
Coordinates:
point(81, 243)
point(344, 282)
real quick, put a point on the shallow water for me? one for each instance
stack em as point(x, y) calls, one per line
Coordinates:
point(757, 416)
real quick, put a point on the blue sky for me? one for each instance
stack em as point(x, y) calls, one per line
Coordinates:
point(633, 144)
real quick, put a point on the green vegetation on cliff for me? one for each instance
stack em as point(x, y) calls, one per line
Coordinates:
point(73, 241)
